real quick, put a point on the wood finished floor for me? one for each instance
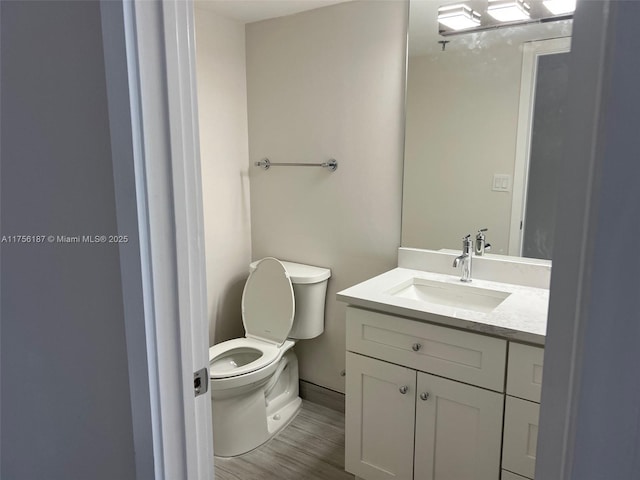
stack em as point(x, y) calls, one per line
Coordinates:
point(310, 448)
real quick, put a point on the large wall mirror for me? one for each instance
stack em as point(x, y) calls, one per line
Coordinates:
point(484, 119)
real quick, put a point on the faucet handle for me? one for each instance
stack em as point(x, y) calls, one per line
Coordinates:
point(467, 245)
point(481, 244)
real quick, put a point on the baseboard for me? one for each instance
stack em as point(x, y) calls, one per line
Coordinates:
point(322, 396)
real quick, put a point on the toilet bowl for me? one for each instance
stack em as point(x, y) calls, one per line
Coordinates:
point(254, 379)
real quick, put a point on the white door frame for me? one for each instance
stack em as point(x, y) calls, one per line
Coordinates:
point(158, 58)
point(531, 52)
point(179, 34)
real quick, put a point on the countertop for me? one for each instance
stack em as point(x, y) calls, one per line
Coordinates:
point(522, 316)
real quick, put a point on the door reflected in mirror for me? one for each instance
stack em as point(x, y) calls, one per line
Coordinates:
point(483, 134)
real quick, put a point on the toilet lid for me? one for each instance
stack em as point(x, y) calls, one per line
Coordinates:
point(268, 305)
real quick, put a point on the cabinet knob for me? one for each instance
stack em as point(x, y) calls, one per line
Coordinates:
point(424, 396)
point(416, 347)
point(403, 389)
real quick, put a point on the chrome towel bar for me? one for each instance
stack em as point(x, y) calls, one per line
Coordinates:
point(331, 165)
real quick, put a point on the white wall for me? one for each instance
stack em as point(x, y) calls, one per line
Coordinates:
point(462, 119)
point(66, 409)
point(222, 104)
point(321, 84)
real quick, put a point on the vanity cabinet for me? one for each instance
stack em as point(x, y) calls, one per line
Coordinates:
point(423, 402)
point(429, 402)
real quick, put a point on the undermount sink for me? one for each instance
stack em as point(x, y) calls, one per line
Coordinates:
point(449, 295)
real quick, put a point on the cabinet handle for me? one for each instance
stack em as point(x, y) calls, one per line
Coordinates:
point(424, 396)
point(403, 389)
point(416, 347)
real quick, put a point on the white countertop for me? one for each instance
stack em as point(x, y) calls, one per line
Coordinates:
point(522, 316)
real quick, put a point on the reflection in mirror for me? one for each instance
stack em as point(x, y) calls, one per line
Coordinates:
point(479, 151)
point(543, 99)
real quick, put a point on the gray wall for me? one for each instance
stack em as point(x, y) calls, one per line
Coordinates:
point(590, 411)
point(607, 410)
point(65, 405)
point(321, 84)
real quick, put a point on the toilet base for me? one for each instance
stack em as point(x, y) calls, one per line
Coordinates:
point(284, 416)
point(245, 421)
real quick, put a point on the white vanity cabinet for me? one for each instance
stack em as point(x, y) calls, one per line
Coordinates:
point(423, 402)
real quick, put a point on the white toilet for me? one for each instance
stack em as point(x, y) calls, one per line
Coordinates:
point(254, 380)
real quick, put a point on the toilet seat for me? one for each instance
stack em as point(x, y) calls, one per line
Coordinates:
point(268, 353)
point(268, 308)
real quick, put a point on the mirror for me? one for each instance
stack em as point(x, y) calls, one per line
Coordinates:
point(482, 143)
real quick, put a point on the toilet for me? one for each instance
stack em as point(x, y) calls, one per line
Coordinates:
point(254, 379)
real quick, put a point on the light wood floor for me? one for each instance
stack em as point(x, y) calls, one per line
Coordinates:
point(311, 447)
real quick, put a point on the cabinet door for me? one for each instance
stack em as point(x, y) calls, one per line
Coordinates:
point(380, 416)
point(458, 431)
point(520, 436)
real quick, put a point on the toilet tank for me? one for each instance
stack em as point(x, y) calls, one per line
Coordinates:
point(310, 291)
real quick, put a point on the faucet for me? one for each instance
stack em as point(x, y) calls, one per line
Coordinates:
point(481, 246)
point(465, 259)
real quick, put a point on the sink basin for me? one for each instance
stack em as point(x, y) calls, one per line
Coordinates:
point(450, 295)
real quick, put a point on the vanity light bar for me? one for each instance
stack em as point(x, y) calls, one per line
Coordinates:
point(560, 7)
point(458, 17)
point(509, 10)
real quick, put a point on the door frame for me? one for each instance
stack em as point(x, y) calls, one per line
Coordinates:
point(152, 46)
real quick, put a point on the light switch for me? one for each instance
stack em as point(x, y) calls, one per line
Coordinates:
point(501, 183)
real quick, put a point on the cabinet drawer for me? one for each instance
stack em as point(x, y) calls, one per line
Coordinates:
point(511, 476)
point(467, 357)
point(520, 436)
point(524, 375)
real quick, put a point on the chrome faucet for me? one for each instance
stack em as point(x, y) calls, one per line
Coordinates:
point(481, 246)
point(465, 259)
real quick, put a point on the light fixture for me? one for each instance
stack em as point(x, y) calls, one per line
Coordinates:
point(560, 7)
point(509, 10)
point(458, 17)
